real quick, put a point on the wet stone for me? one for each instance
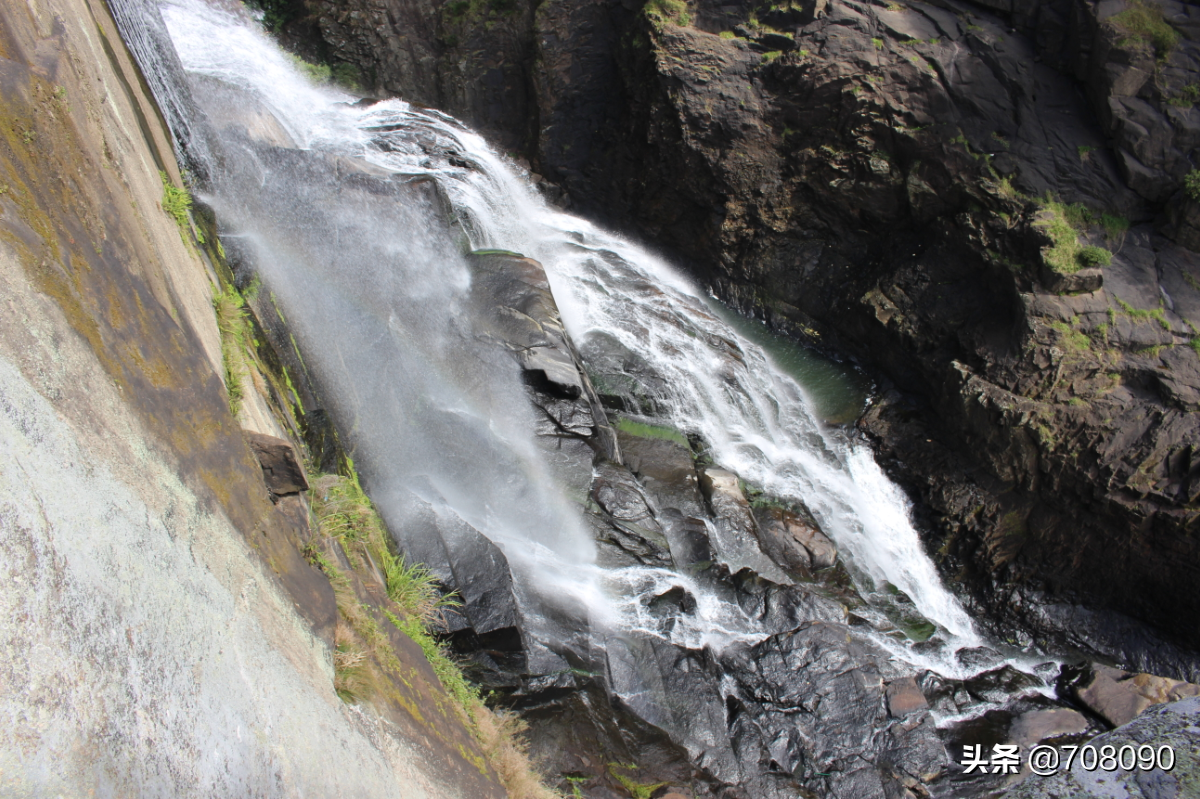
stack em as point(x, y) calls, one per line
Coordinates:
point(905, 697)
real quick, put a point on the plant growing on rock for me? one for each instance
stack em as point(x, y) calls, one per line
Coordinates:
point(664, 11)
point(1191, 185)
point(1144, 25)
point(233, 323)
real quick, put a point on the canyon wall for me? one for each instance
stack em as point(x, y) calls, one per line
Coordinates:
point(163, 633)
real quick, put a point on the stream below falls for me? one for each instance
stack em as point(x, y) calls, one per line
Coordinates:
point(637, 495)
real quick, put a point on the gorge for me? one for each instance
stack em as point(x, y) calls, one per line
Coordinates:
point(675, 554)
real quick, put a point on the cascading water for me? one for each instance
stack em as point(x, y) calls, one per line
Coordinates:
point(376, 291)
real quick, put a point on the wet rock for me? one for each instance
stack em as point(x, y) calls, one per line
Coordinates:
point(1175, 726)
point(666, 470)
point(281, 468)
point(736, 533)
point(674, 600)
point(904, 697)
point(627, 520)
point(1036, 726)
point(1118, 696)
point(793, 540)
point(1002, 684)
point(518, 311)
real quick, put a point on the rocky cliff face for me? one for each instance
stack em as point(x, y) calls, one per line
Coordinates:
point(165, 627)
point(917, 185)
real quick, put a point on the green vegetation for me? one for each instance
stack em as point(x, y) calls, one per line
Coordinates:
point(642, 430)
point(673, 11)
point(1095, 256)
point(771, 56)
point(234, 325)
point(1071, 337)
point(1143, 22)
point(1141, 315)
point(1114, 225)
point(1063, 224)
point(364, 656)
point(1085, 151)
point(1191, 184)
point(178, 203)
point(637, 790)
point(317, 73)
point(1188, 96)
point(1006, 189)
point(728, 35)
point(878, 43)
point(277, 13)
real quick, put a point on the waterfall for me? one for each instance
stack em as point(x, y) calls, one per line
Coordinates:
point(357, 217)
point(377, 296)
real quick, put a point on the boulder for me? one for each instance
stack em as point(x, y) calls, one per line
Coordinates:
point(736, 536)
point(1035, 726)
point(1119, 696)
point(905, 697)
point(1174, 726)
point(794, 541)
point(281, 468)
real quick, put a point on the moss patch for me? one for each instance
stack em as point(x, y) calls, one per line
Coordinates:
point(643, 430)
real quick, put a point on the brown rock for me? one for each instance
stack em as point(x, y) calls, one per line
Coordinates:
point(793, 541)
point(904, 697)
point(1043, 725)
point(1118, 696)
point(281, 468)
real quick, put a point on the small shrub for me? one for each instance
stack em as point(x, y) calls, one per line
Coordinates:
point(347, 76)
point(1191, 184)
point(1114, 225)
point(637, 790)
point(1144, 23)
point(1187, 97)
point(1085, 151)
point(728, 35)
point(1095, 256)
point(878, 43)
point(771, 56)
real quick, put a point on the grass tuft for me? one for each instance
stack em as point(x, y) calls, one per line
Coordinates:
point(1143, 22)
point(233, 322)
point(177, 203)
point(346, 514)
point(1066, 255)
point(673, 11)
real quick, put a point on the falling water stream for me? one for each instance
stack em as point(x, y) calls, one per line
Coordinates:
point(376, 293)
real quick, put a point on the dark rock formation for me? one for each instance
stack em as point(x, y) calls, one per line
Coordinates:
point(281, 468)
